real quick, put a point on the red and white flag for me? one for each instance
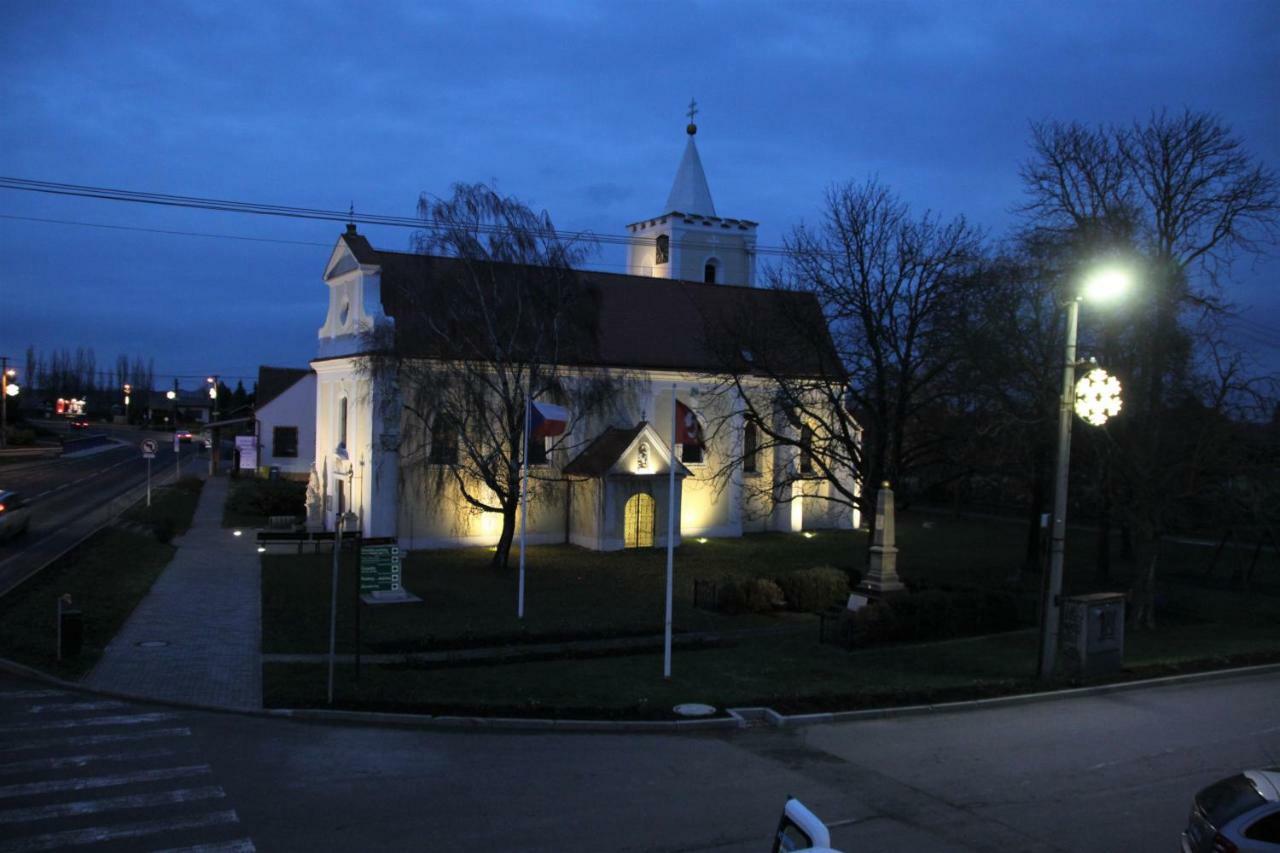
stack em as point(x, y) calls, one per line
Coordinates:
point(688, 429)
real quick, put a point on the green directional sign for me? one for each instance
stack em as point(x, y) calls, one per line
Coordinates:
point(379, 568)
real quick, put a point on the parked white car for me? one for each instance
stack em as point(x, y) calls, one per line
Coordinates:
point(1239, 814)
point(15, 514)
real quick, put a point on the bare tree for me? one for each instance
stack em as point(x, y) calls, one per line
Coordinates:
point(493, 317)
point(1184, 194)
point(855, 407)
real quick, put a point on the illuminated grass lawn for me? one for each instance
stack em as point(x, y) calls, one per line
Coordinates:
point(574, 593)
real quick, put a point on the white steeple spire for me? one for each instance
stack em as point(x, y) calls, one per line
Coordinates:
point(690, 193)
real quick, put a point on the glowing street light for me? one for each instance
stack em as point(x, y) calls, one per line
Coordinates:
point(172, 395)
point(1095, 399)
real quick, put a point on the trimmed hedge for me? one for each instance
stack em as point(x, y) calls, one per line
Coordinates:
point(812, 590)
point(268, 497)
point(929, 615)
point(754, 595)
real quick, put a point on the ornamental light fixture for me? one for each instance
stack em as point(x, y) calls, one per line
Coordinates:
point(1097, 397)
point(12, 389)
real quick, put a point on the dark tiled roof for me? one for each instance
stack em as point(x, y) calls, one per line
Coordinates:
point(274, 381)
point(636, 321)
point(603, 453)
point(359, 246)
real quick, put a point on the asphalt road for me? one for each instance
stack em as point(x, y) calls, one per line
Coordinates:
point(70, 496)
point(1113, 772)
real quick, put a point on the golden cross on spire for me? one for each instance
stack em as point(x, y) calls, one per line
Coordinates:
point(693, 109)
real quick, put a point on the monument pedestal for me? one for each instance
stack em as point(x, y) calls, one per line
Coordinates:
point(882, 573)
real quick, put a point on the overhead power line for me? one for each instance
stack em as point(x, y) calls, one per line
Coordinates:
point(320, 214)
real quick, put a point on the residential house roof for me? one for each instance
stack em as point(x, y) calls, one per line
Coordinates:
point(274, 381)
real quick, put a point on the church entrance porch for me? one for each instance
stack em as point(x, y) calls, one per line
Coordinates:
point(620, 494)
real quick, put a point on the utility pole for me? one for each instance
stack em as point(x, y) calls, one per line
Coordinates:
point(214, 443)
point(4, 400)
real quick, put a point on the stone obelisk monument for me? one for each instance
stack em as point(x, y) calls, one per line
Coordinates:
point(882, 573)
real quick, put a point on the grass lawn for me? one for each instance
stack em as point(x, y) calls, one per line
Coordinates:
point(572, 592)
point(172, 507)
point(106, 576)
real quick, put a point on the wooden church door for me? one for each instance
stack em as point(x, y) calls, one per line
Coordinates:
point(638, 520)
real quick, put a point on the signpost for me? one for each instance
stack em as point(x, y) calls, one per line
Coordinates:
point(148, 453)
point(177, 454)
point(379, 580)
point(247, 445)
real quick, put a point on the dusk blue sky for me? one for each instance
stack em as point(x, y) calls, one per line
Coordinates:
point(576, 108)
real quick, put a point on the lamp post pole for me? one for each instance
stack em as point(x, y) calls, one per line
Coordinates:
point(1050, 608)
point(4, 400)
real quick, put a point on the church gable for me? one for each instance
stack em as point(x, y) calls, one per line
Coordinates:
point(631, 451)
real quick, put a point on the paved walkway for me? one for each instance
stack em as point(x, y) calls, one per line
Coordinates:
point(197, 636)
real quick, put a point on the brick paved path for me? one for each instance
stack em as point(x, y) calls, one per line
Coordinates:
point(206, 607)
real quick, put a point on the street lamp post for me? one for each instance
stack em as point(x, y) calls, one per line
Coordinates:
point(1102, 286)
point(214, 436)
point(7, 390)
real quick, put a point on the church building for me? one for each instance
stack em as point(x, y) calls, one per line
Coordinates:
point(605, 487)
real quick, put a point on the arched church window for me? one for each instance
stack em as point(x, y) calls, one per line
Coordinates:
point(806, 449)
point(709, 271)
point(444, 442)
point(662, 249)
point(750, 448)
point(342, 423)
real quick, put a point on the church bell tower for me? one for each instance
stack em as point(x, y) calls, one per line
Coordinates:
point(689, 241)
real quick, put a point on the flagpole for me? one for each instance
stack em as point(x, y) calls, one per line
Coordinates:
point(524, 492)
point(671, 538)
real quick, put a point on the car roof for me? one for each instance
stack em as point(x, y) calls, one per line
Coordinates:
point(1267, 781)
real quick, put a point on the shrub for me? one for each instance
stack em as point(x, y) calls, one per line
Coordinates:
point(762, 595)
point(815, 589)
point(268, 497)
point(754, 595)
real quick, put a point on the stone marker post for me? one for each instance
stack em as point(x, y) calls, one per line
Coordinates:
point(882, 574)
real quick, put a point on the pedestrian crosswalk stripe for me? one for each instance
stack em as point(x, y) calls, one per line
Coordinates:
point(240, 845)
point(34, 694)
point(81, 760)
point(85, 783)
point(119, 832)
point(56, 707)
point(95, 740)
point(135, 801)
point(121, 720)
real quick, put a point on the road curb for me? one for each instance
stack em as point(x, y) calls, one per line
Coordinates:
point(725, 723)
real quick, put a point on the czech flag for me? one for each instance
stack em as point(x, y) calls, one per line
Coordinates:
point(547, 420)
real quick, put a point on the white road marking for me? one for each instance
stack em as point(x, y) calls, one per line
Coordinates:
point(99, 834)
point(95, 740)
point(81, 760)
point(35, 694)
point(86, 783)
point(240, 845)
point(122, 720)
point(109, 804)
point(104, 705)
